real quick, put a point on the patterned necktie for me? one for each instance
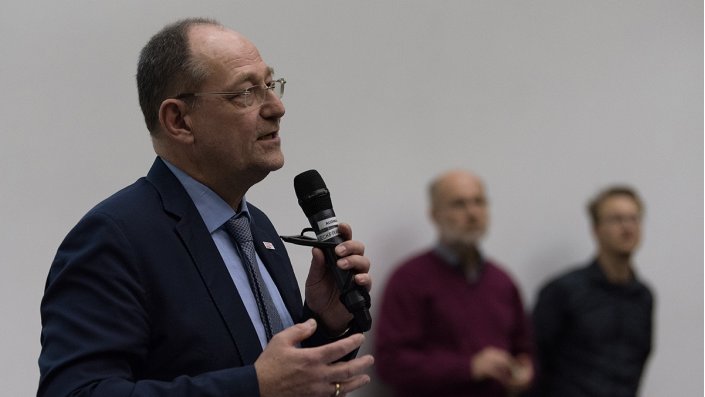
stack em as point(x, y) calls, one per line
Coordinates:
point(239, 229)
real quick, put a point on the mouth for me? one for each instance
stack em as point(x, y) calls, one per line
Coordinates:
point(269, 136)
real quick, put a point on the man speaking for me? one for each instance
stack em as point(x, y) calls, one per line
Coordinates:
point(176, 285)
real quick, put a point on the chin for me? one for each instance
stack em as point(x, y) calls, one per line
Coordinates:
point(278, 165)
point(625, 252)
point(464, 241)
point(274, 163)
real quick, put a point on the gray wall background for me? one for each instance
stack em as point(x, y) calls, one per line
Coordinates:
point(548, 100)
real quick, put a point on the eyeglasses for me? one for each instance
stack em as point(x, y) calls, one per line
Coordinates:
point(622, 219)
point(254, 95)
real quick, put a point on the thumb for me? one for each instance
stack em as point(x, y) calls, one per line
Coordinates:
point(298, 333)
point(318, 265)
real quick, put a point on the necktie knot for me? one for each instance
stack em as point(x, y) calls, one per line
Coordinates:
point(239, 228)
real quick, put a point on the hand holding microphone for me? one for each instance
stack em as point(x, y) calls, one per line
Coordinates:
point(327, 285)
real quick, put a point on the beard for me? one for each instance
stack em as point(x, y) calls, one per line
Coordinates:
point(462, 239)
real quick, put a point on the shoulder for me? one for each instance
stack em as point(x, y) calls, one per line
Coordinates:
point(111, 232)
point(130, 218)
point(498, 271)
point(412, 280)
point(415, 264)
point(134, 209)
point(419, 266)
point(573, 276)
point(500, 280)
point(570, 280)
point(133, 200)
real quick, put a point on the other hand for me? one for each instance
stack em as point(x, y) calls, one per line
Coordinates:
point(522, 374)
point(285, 370)
point(492, 363)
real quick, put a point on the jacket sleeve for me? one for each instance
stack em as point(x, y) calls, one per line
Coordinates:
point(96, 327)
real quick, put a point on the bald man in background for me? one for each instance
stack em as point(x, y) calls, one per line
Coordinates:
point(452, 322)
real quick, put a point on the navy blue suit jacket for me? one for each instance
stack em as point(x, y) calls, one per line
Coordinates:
point(138, 301)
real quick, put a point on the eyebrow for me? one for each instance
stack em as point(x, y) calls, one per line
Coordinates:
point(251, 76)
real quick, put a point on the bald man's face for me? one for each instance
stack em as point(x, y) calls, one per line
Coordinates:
point(459, 210)
point(230, 141)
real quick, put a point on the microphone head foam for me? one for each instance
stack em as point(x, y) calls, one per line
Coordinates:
point(312, 193)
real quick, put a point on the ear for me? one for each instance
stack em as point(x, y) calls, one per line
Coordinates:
point(175, 120)
point(594, 229)
point(433, 214)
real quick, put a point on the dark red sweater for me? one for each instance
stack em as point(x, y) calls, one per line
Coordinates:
point(433, 320)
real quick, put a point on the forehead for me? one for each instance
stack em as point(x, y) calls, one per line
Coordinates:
point(227, 52)
point(459, 184)
point(618, 204)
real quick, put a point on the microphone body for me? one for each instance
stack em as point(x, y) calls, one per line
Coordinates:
point(314, 199)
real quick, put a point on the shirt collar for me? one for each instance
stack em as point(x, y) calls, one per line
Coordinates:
point(451, 259)
point(599, 276)
point(213, 209)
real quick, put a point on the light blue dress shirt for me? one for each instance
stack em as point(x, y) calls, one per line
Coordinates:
point(215, 212)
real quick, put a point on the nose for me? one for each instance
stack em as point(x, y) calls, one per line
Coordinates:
point(272, 106)
point(471, 207)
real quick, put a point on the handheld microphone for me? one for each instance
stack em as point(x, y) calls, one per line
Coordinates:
point(314, 199)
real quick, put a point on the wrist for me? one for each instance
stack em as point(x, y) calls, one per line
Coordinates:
point(333, 332)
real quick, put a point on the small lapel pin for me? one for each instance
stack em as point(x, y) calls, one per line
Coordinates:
point(268, 245)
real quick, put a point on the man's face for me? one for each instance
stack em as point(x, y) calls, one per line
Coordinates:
point(230, 141)
point(618, 228)
point(459, 210)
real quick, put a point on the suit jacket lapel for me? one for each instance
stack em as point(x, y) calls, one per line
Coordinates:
point(206, 258)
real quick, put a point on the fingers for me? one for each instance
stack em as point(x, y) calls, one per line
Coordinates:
point(492, 363)
point(338, 349)
point(350, 375)
point(322, 292)
point(345, 231)
point(318, 264)
point(351, 255)
point(357, 263)
point(350, 369)
point(350, 247)
point(295, 334)
point(360, 266)
point(286, 370)
point(364, 280)
point(327, 353)
point(522, 373)
point(352, 384)
point(513, 373)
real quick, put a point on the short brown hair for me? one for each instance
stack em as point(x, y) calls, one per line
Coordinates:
point(609, 192)
point(166, 66)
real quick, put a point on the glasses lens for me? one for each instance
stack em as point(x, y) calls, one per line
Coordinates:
point(279, 87)
point(261, 91)
point(258, 94)
point(244, 99)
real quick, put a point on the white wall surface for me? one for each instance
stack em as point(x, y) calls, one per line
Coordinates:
point(547, 100)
